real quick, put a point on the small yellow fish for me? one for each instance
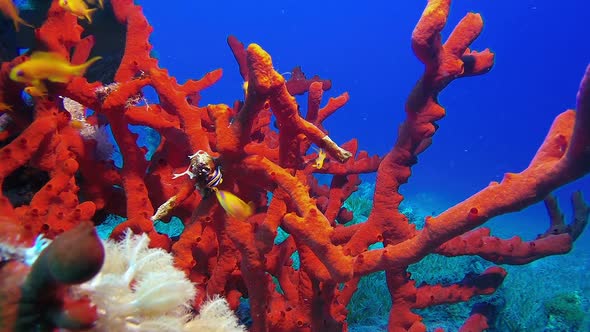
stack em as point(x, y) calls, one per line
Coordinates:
point(319, 161)
point(5, 107)
point(10, 10)
point(245, 87)
point(78, 8)
point(47, 66)
point(233, 205)
point(78, 124)
point(35, 91)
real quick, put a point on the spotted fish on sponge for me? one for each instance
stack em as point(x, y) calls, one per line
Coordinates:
point(233, 205)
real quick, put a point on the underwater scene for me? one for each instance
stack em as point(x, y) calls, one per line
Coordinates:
point(294, 166)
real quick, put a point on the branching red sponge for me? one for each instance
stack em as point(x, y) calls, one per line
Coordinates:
point(271, 167)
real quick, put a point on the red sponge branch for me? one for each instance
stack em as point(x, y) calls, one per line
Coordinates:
point(267, 82)
point(485, 283)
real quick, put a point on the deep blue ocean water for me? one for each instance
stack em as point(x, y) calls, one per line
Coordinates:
point(494, 124)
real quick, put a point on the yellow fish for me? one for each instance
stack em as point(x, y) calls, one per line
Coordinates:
point(35, 91)
point(319, 161)
point(10, 10)
point(5, 107)
point(233, 205)
point(47, 66)
point(245, 87)
point(78, 124)
point(78, 8)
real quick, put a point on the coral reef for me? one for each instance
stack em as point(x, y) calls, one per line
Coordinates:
point(139, 289)
point(139, 286)
point(272, 169)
